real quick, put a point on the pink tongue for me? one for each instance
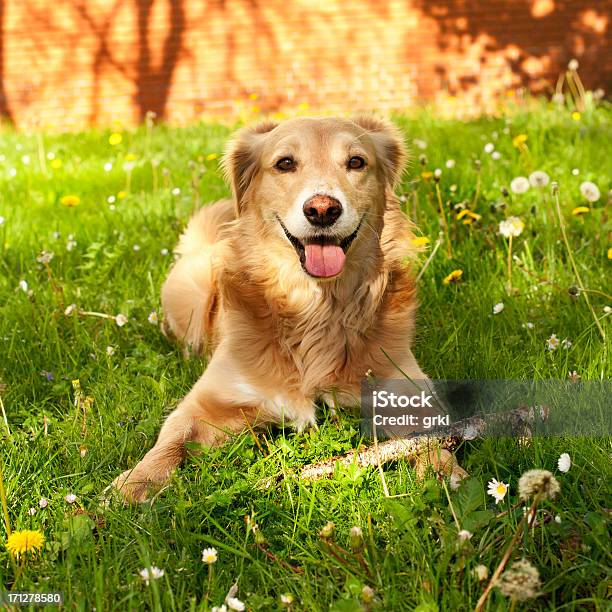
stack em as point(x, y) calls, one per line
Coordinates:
point(324, 260)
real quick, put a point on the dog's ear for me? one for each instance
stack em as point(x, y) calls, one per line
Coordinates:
point(241, 159)
point(389, 144)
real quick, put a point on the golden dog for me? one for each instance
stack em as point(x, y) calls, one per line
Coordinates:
point(295, 285)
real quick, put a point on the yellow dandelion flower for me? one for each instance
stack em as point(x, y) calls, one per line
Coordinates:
point(610, 253)
point(580, 210)
point(70, 200)
point(131, 157)
point(426, 175)
point(576, 116)
point(253, 96)
point(421, 241)
point(255, 108)
point(519, 140)
point(303, 106)
point(121, 195)
point(21, 542)
point(468, 213)
point(453, 277)
point(115, 139)
point(510, 93)
point(212, 156)
point(56, 164)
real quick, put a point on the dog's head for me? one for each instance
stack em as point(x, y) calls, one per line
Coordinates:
point(320, 185)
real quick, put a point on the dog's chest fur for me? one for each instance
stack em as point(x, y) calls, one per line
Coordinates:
point(325, 340)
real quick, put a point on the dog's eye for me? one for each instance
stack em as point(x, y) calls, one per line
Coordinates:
point(356, 163)
point(285, 164)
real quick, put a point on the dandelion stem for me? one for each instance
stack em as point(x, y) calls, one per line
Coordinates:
point(7, 521)
point(510, 264)
point(4, 418)
point(428, 260)
point(575, 267)
point(450, 505)
point(444, 223)
point(502, 564)
point(41, 152)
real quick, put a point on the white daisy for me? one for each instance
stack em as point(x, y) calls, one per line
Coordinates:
point(151, 573)
point(209, 555)
point(489, 147)
point(450, 163)
point(539, 179)
point(553, 342)
point(43, 503)
point(233, 603)
point(497, 490)
point(498, 308)
point(121, 320)
point(520, 184)
point(153, 319)
point(110, 351)
point(590, 191)
point(70, 498)
point(23, 285)
point(464, 535)
point(564, 463)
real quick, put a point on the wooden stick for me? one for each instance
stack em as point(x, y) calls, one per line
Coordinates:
point(414, 448)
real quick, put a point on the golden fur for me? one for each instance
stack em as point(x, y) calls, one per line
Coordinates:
point(281, 339)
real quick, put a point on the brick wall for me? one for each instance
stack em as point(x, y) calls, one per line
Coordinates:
point(69, 63)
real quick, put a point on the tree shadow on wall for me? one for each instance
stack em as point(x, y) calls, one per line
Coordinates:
point(552, 29)
point(153, 83)
point(5, 112)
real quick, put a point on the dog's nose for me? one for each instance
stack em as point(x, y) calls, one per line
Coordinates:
point(322, 210)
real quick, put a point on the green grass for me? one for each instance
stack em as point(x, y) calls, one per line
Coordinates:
point(411, 558)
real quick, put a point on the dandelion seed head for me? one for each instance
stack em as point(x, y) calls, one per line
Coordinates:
point(535, 482)
point(512, 226)
point(450, 163)
point(497, 308)
point(590, 191)
point(539, 179)
point(521, 581)
point(519, 184)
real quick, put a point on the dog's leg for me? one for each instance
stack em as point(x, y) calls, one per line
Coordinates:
point(214, 409)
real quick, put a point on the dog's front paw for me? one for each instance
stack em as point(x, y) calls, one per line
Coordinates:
point(442, 462)
point(137, 485)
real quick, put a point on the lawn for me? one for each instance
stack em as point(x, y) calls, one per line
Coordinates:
point(109, 208)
